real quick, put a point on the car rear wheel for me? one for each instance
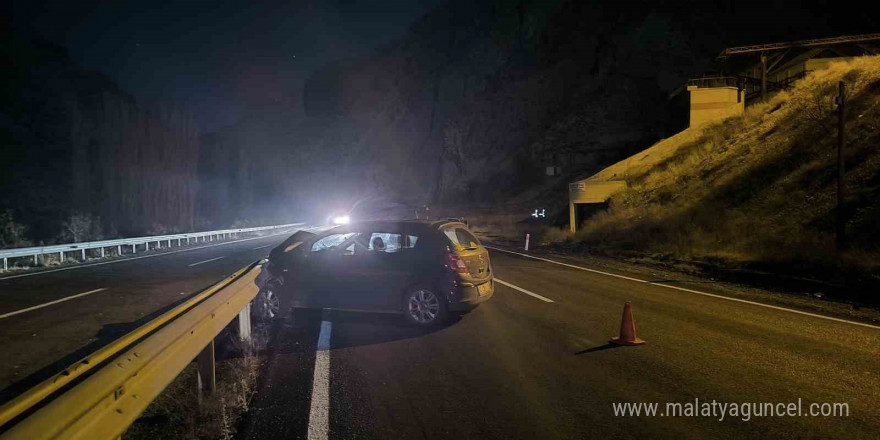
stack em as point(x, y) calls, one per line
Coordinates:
point(423, 307)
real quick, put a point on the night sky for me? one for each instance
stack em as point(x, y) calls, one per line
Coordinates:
point(218, 58)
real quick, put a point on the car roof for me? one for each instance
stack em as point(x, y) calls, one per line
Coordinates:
point(405, 224)
point(415, 226)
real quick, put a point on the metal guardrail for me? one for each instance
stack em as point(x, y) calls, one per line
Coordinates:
point(128, 377)
point(61, 249)
point(751, 86)
point(717, 81)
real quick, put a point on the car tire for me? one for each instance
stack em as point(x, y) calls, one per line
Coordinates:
point(267, 305)
point(424, 307)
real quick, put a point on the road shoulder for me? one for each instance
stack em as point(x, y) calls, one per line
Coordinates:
point(802, 301)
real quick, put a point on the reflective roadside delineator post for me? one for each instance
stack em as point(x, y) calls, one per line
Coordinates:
point(527, 242)
point(627, 329)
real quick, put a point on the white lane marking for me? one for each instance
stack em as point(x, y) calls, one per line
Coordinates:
point(319, 412)
point(206, 261)
point(505, 283)
point(261, 247)
point(145, 256)
point(815, 315)
point(67, 298)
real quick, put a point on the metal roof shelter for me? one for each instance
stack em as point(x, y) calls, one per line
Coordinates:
point(817, 42)
point(780, 64)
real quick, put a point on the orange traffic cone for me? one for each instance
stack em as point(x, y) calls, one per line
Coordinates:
point(627, 329)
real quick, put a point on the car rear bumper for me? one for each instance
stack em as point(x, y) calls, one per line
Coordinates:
point(466, 296)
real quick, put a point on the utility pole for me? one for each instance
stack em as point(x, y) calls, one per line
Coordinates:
point(763, 77)
point(841, 115)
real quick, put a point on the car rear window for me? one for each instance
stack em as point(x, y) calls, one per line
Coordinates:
point(392, 242)
point(461, 238)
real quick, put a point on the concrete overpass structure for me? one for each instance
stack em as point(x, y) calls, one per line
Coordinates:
point(600, 187)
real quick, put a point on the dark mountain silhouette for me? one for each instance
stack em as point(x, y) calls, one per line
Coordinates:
point(478, 97)
point(469, 106)
point(74, 143)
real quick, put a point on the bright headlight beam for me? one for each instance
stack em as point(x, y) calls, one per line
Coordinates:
point(341, 220)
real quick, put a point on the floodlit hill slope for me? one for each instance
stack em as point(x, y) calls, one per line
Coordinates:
point(646, 159)
point(760, 190)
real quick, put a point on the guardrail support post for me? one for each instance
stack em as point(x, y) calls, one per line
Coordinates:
point(118, 250)
point(102, 252)
point(36, 260)
point(5, 265)
point(134, 249)
point(84, 254)
point(61, 256)
point(244, 323)
point(205, 364)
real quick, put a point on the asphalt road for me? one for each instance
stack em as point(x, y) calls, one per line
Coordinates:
point(37, 343)
point(523, 367)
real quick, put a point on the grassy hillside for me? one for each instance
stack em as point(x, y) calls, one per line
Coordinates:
point(760, 190)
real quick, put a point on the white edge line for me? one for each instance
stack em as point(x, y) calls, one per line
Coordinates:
point(206, 261)
point(261, 247)
point(319, 411)
point(122, 260)
point(799, 312)
point(67, 298)
point(505, 283)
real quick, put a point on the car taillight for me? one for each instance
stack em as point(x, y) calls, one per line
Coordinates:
point(455, 263)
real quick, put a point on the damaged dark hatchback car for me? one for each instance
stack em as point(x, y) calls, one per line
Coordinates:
point(424, 270)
